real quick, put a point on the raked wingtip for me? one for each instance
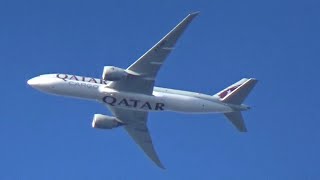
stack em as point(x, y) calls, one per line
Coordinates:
point(194, 13)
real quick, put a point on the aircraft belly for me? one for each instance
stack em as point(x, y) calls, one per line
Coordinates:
point(190, 104)
point(161, 102)
point(132, 101)
point(71, 89)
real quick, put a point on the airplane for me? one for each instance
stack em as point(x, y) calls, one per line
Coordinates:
point(130, 93)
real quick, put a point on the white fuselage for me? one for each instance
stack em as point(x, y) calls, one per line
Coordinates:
point(162, 99)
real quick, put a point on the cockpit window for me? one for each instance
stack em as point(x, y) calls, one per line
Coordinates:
point(48, 75)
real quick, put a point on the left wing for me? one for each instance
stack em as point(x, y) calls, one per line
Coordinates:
point(145, 69)
point(136, 126)
point(141, 80)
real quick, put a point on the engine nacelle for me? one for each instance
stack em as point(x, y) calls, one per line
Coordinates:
point(105, 122)
point(111, 73)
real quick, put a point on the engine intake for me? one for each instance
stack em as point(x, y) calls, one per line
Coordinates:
point(105, 122)
point(111, 73)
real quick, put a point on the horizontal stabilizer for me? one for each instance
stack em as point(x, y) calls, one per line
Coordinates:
point(237, 120)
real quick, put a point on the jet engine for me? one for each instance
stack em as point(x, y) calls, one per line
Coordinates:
point(105, 122)
point(111, 73)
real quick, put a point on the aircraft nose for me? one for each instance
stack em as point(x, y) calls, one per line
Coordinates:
point(38, 82)
point(43, 83)
point(33, 82)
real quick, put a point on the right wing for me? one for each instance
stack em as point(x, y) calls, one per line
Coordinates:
point(136, 126)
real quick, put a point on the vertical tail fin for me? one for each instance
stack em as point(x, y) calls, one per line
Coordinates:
point(237, 92)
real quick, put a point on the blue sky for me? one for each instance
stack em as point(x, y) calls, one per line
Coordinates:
point(50, 137)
